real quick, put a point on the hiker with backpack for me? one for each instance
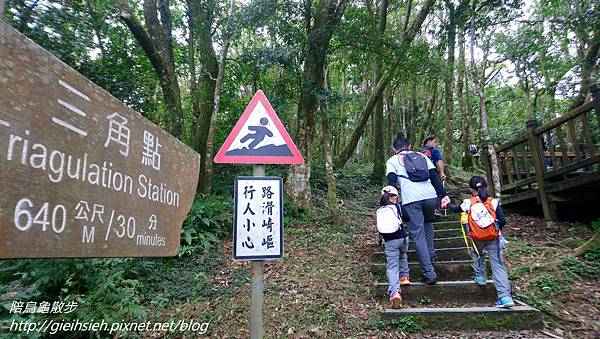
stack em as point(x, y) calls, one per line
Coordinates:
point(420, 188)
point(391, 228)
point(485, 220)
point(430, 149)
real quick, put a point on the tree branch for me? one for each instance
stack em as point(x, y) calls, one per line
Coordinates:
point(167, 25)
point(140, 34)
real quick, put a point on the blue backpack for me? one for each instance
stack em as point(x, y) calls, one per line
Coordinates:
point(416, 167)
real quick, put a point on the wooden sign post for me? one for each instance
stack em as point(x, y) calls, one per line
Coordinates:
point(81, 174)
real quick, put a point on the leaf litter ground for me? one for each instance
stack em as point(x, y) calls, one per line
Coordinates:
point(323, 287)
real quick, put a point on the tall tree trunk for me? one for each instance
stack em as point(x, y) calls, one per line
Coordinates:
point(551, 104)
point(525, 86)
point(410, 117)
point(157, 45)
point(470, 116)
point(326, 135)
point(208, 177)
point(319, 32)
point(449, 86)
point(431, 105)
point(97, 20)
point(204, 95)
point(407, 39)
point(194, 99)
point(341, 131)
point(467, 160)
point(379, 152)
point(390, 130)
point(479, 81)
point(24, 15)
point(587, 68)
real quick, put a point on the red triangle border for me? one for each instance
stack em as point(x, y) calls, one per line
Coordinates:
point(222, 158)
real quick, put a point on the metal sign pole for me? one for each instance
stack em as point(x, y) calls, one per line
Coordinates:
point(256, 268)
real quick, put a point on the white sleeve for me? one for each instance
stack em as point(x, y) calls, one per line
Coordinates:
point(495, 204)
point(466, 205)
point(390, 165)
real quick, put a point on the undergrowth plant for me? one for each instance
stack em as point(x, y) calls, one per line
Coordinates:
point(208, 221)
point(99, 289)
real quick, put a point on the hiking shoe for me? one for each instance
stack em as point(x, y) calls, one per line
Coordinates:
point(396, 300)
point(404, 281)
point(432, 281)
point(505, 302)
point(480, 280)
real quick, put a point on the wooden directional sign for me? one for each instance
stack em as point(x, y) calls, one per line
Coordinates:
point(259, 138)
point(81, 174)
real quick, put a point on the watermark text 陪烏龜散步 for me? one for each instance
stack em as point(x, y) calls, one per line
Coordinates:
point(58, 307)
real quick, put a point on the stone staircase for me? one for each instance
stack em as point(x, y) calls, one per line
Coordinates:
point(456, 302)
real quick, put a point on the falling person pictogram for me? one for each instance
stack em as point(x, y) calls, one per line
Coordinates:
point(258, 146)
point(260, 132)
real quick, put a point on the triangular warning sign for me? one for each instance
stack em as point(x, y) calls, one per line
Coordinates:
point(259, 138)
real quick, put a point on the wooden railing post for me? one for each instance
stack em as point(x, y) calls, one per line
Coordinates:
point(537, 156)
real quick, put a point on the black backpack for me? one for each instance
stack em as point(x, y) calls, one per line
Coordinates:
point(416, 167)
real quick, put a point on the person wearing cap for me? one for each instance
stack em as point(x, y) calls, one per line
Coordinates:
point(391, 229)
point(419, 200)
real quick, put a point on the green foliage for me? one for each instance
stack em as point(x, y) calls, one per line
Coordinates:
point(572, 242)
point(541, 302)
point(582, 268)
point(549, 284)
point(404, 324)
point(407, 324)
point(293, 214)
point(593, 256)
point(596, 225)
point(101, 288)
point(207, 222)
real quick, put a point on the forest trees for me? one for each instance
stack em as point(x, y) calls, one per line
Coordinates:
point(319, 30)
point(157, 41)
point(336, 71)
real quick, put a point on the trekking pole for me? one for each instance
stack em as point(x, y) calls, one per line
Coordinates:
point(464, 222)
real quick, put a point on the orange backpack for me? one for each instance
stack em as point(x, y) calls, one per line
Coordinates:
point(482, 218)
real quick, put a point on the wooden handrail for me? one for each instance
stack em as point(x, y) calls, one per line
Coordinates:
point(546, 154)
point(519, 183)
point(573, 167)
point(574, 113)
point(575, 148)
point(511, 144)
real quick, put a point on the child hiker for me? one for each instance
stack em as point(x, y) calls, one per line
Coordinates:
point(485, 219)
point(389, 226)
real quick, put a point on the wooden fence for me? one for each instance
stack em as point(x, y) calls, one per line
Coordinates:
point(552, 159)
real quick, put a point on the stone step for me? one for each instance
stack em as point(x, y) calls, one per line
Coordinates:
point(440, 225)
point(439, 234)
point(443, 254)
point(446, 270)
point(519, 317)
point(447, 232)
point(447, 216)
point(446, 242)
point(458, 292)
